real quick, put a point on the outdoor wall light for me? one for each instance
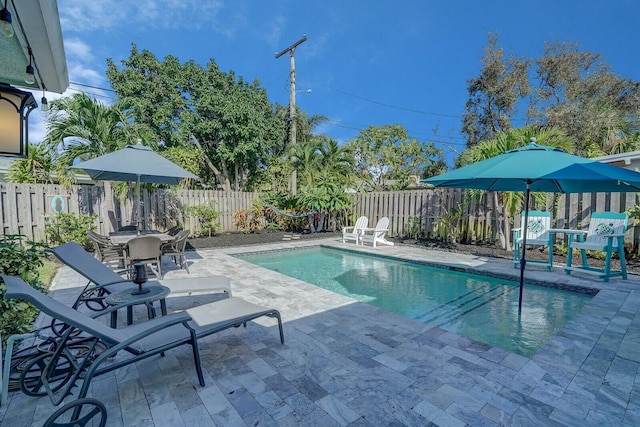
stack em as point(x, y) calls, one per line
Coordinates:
point(6, 29)
point(30, 72)
point(44, 104)
point(15, 106)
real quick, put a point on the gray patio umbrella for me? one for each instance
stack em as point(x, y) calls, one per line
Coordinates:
point(134, 163)
point(539, 168)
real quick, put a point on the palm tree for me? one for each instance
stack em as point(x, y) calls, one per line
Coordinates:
point(509, 203)
point(81, 128)
point(325, 169)
point(35, 169)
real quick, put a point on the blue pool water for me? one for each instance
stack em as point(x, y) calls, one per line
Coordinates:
point(478, 307)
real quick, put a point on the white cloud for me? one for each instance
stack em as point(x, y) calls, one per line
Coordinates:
point(273, 34)
point(83, 15)
point(76, 49)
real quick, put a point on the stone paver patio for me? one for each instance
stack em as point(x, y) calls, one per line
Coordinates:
point(349, 363)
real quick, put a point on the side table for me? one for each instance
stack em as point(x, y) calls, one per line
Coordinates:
point(156, 292)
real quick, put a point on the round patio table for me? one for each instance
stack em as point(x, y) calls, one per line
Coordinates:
point(130, 298)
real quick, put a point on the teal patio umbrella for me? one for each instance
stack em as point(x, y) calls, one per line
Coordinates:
point(134, 163)
point(539, 168)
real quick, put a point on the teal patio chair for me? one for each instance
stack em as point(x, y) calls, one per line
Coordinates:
point(538, 234)
point(605, 234)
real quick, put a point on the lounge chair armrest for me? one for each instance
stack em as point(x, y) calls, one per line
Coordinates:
point(346, 229)
point(614, 235)
point(567, 231)
point(111, 309)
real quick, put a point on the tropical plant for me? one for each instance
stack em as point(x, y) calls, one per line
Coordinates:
point(19, 258)
point(324, 196)
point(250, 220)
point(447, 225)
point(69, 227)
point(207, 216)
point(81, 128)
point(37, 168)
point(413, 228)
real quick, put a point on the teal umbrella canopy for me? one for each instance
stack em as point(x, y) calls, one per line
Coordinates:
point(134, 163)
point(539, 168)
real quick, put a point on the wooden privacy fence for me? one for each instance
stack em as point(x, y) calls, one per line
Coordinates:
point(25, 208)
point(435, 213)
point(430, 213)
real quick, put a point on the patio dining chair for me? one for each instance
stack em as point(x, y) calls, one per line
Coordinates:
point(605, 234)
point(105, 250)
point(537, 231)
point(176, 249)
point(376, 235)
point(61, 368)
point(173, 231)
point(354, 233)
point(145, 250)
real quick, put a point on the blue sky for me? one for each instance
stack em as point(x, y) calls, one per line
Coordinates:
point(367, 63)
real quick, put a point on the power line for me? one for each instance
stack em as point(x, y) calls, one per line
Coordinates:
point(92, 93)
point(93, 87)
point(372, 101)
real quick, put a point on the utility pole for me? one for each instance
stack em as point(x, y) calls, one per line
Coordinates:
point(292, 102)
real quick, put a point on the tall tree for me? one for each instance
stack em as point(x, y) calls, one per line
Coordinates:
point(387, 152)
point(494, 94)
point(564, 88)
point(578, 93)
point(229, 120)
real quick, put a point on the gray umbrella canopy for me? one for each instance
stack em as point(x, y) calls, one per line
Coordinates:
point(539, 168)
point(134, 163)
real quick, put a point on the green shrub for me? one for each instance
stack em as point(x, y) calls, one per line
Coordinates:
point(207, 216)
point(66, 227)
point(413, 227)
point(23, 260)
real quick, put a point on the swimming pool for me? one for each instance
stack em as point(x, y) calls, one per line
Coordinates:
point(478, 307)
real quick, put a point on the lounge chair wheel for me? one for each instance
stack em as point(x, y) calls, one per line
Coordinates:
point(84, 411)
point(20, 358)
point(59, 328)
point(57, 375)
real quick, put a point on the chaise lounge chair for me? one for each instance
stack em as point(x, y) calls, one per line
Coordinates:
point(132, 344)
point(354, 233)
point(377, 235)
point(103, 280)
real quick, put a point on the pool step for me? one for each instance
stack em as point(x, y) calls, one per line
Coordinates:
point(291, 237)
point(451, 310)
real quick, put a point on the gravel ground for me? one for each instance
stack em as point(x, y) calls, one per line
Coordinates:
point(239, 239)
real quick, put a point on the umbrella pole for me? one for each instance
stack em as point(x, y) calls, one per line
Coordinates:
point(523, 261)
point(138, 205)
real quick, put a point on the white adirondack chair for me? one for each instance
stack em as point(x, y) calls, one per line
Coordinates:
point(354, 233)
point(377, 235)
